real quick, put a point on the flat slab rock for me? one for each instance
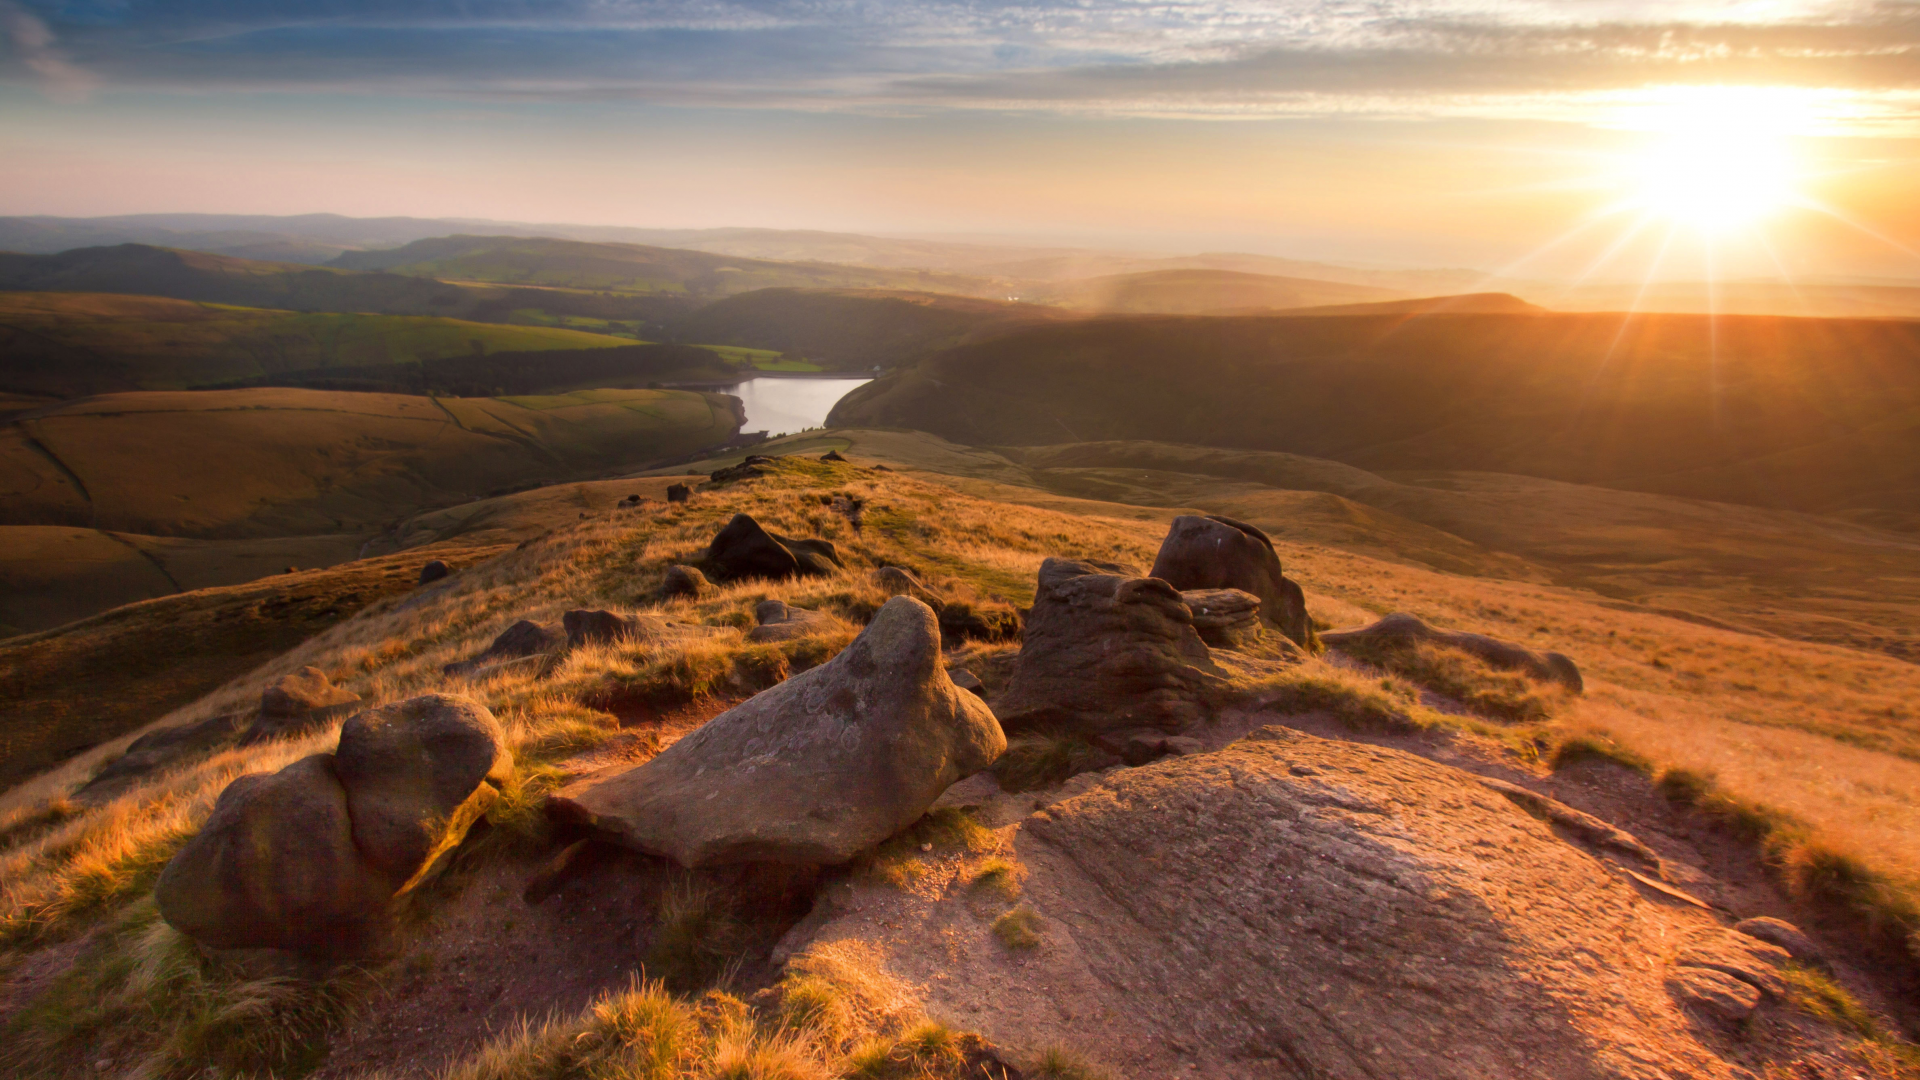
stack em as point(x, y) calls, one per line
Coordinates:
point(1298, 907)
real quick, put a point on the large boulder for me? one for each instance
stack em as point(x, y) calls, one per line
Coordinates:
point(745, 550)
point(778, 622)
point(1300, 907)
point(1221, 553)
point(275, 867)
point(306, 861)
point(418, 773)
point(811, 772)
point(1401, 630)
point(1105, 649)
point(297, 702)
point(523, 639)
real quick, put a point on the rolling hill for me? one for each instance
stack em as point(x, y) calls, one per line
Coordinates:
point(1202, 292)
point(74, 344)
point(852, 328)
point(1804, 414)
point(1463, 304)
point(635, 268)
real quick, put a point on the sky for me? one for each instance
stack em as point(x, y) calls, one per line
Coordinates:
point(1543, 137)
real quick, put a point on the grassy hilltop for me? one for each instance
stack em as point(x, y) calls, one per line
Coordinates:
point(1809, 743)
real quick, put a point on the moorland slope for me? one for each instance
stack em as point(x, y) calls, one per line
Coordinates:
point(1203, 292)
point(1819, 415)
point(1027, 907)
point(854, 328)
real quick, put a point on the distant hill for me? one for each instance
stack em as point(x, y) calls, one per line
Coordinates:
point(1809, 299)
point(73, 344)
point(635, 268)
point(191, 275)
point(240, 464)
point(854, 328)
point(1203, 292)
point(1465, 304)
point(622, 365)
point(1819, 415)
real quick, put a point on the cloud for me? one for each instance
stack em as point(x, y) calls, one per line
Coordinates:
point(33, 46)
point(1133, 57)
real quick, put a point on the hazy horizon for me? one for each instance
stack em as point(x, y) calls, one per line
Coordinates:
point(1545, 140)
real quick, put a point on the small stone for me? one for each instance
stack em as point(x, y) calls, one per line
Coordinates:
point(297, 702)
point(688, 581)
point(1784, 935)
point(1713, 993)
point(433, 571)
point(522, 639)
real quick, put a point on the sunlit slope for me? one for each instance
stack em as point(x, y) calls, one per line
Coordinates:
point(71, 344)
point(221, 279)
point(854, 328)
point(633, 268)
point(1677, 404)
point(257, 463)
point(1204, 292)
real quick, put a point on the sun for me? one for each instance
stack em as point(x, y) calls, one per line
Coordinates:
point(1715, 162)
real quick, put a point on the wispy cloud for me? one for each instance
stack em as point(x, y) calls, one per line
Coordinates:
point(1135, 57)
point(33, 47)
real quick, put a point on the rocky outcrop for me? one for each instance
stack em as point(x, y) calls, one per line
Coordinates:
point(1784, 935)
point(1221, 553)
point(298, 702)
point(832, 456)
point(433, 571)
point(687, 581)
point(1294, 906)
point(306, 861)
point(521, 640)
point(599, 627)
point(1105, 650)
point(418, 773)
point(745, 550)
point(1401, 630)
point(778, 622)
point(813, 771)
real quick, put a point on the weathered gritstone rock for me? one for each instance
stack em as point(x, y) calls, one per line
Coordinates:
point(275, 867)
point(433, 570)
point(898, 581)
point(158, 750)
point(1399, 630)
point(1221, 553)
point(418, 773)
point(1583, 825)
point(1299, 907)
point(684, 581)
point(1105, 650)
point(585, 627)
point(778, 622)
point(297, 702)
point(1748, 959)
point(305, 862)
point(1224, 618)
point(813, 771)
point(1785, 935)
point(523, 639)
point(745, 550)
point(678, 493)
point(1713, 994)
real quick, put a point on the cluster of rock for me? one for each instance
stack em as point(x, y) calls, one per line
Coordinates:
point(1210, 553)
point(742, 549)
point(303, 865)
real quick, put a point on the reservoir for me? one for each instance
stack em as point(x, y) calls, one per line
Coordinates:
point(782, 405)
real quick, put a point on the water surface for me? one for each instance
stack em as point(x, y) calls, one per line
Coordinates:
point(782, 406)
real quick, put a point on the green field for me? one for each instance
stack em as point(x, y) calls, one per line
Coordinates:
point(68, 344)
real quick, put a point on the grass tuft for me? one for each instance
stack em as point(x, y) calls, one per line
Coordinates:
point(997, 877)
point(697, 933)
point(1019, 928)
point(1042, 759)
point(1060, 1063)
